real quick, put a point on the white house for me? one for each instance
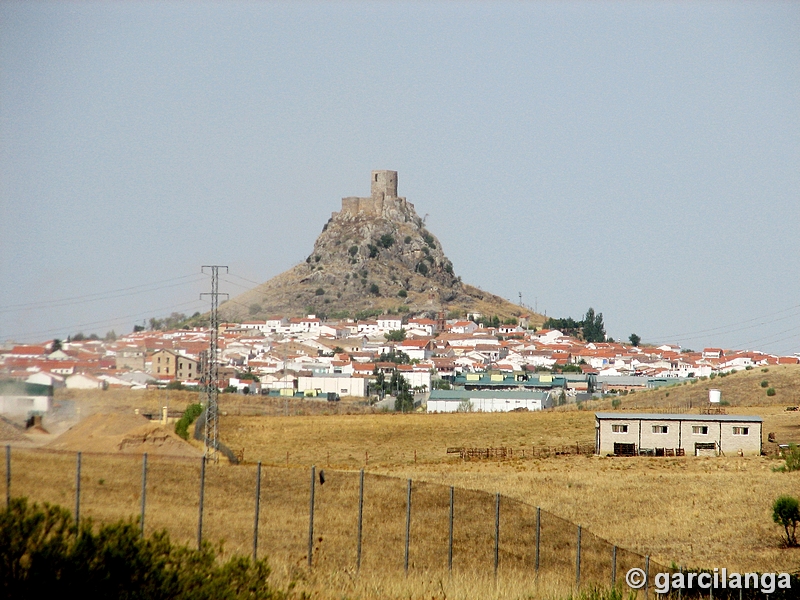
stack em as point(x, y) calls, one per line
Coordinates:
point(387, 323)
point(82, 381)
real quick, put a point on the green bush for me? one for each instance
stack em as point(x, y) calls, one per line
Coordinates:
point(189, 415)
point(786, 512)
point(402, 293)
point(386, 240)
point(353, 250)
point(771, 392)
point(45, 554)
point(765, 383)
point(319, 292)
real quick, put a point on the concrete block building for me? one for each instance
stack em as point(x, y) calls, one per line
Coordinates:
point(697, 435)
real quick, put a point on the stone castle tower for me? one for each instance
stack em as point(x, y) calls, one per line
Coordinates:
point(383, 197)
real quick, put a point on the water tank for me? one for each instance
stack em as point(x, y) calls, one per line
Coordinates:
point(714, 396)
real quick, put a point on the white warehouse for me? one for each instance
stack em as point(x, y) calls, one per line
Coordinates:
point(670, 434)
point(486, 400)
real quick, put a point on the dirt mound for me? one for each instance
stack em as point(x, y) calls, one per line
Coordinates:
point(126, 434)
point(10, 432)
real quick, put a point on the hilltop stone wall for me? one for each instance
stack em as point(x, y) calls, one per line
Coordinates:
point(381, 203)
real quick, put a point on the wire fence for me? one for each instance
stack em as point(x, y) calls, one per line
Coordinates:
point(328, 519)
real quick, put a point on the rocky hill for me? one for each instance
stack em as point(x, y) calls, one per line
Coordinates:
point(372, 257)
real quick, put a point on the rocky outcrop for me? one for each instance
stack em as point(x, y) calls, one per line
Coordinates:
point(375, 255)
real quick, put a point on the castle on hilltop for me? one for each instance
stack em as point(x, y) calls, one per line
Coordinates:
point(383, 196)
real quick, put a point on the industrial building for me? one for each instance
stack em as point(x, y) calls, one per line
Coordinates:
point(630, 434)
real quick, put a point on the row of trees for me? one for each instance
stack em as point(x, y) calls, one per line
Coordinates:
point(590, 329)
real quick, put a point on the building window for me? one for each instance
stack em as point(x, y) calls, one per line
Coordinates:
point(660, 429)
point(741, 431)
point(700, 429)
point(619, 428)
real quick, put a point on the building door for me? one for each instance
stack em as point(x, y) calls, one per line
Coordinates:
point(624, 449)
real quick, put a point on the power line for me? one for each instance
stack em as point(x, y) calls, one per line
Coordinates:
point(104, 323)
point(245, 279)
point(108, 295)
point(722, 328)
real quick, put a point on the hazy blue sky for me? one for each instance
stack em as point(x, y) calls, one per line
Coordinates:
point(640, 158)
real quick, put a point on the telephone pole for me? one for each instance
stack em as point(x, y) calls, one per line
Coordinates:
point(211, 452)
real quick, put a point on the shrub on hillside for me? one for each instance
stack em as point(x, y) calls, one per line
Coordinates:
point(792, 458)
point(189, 415)
point(765, 383)
point(771, 392)
point(786, 512)
point(45, 554)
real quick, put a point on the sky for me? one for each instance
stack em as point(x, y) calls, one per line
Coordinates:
point(639, 158)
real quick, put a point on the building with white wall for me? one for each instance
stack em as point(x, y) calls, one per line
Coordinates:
point(698, 435)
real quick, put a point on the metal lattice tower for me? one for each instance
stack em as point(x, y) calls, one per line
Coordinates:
point(211, 452)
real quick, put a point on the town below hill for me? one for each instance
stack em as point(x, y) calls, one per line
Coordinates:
point(371, 358)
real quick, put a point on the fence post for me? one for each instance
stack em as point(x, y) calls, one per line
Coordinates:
point(144, 493)
point(408, 524)
point(360, 517)
point(202, 499)
point(78, 491)
point(8, 474)
point(578, 560)
point(257, 511)
point(496, 532)
point(311, 515)
point(450, 539)
point(538, 532)
point(613, 566)
point(646, 575)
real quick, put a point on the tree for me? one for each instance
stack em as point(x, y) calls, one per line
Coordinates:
point(593, 328)
point(374, 289)
point(396, 335)
point(396, 356)
point(568, 326)
point(380, 382)
point(635, 339)
point(786, 512)
point(56, 345)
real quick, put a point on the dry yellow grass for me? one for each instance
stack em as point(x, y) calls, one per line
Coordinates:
point(707, 512)
point(741, 389)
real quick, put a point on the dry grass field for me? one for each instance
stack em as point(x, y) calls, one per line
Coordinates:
point(696, 512)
